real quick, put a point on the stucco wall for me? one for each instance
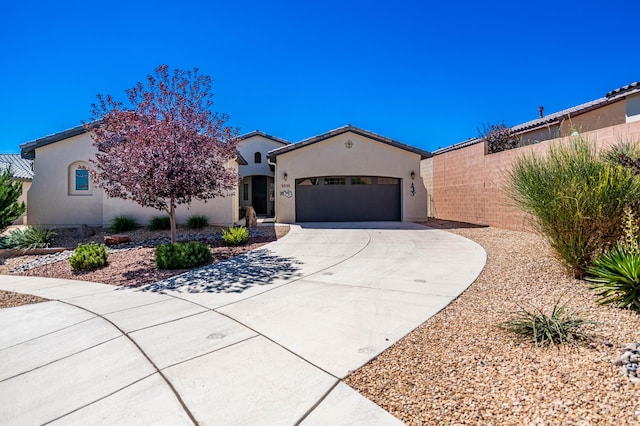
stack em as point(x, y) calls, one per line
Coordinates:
point(50, 202)
point(366, 157)
point(248, 147)
point(469, 186)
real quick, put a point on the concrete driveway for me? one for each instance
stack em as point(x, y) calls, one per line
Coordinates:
point(264, 338)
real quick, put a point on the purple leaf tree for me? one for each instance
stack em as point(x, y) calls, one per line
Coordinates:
point(168, 148)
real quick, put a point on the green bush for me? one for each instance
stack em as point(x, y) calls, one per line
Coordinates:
point(10, 208)
point(575, 198)
point(560, 326)
point(88, 257)
point(121, 224)
point(197, 221)
point(30, 238)
point(235, 236)
point(182, 255)
point(160, 223)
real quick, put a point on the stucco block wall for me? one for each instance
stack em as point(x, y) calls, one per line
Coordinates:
point(469, 185)
point(366, 157)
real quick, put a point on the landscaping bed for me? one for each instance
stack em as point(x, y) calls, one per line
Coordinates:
point(131, 266)
point(460, 367)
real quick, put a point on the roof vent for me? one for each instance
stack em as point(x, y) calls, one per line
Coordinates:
point(540, 110)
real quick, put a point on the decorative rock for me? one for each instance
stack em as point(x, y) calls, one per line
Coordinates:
point(628, 361)
point(251, 219)
point(115, 239)
point(85, 231)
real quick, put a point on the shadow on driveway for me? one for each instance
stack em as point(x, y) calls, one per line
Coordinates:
point(258, 267)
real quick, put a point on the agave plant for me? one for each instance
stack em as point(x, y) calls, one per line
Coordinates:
point(561, 325)
point(615, 275)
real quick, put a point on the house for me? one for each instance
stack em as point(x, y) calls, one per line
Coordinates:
point(22, 172)
point(467, 183)
point(347, 174)
point(257, 185)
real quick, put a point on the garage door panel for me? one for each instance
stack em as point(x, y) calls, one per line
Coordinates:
point(339, 203)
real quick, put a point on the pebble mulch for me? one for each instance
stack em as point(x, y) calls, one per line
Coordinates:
point(207, 237)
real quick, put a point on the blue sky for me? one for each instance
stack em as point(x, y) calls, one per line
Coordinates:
point(428, 75)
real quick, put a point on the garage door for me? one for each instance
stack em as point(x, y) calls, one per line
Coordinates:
point(347, 198)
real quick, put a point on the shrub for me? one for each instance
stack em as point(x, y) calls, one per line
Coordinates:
point(615, 275)
point(182, 255)
point(560, 326)
point(88, 257)
point(30, 238)
point(121, 224)
point(10, 207)
point(160, 223)
point(499, 137)
point(575, 198)
point(197, 221)
point(235, 236)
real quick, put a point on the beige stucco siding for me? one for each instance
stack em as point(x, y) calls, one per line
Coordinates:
point(366, 157)
point(51, 201)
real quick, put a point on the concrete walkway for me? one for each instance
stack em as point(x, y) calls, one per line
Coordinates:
point(264, 338)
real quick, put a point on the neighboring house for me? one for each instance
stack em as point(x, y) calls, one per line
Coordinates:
point(617, 107)
point(465, 183)
point(22, 170)
point(348, 174)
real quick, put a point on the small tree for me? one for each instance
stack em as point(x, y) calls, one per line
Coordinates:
point(499, 137)
point(10, 191)
point(168, 148)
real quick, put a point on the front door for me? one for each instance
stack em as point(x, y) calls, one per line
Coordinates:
point(259, 194)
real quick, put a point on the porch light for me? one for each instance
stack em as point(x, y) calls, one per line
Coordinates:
point(413, 174)
point(285, 175)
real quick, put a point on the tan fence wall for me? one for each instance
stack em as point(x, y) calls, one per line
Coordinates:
point(469, 185)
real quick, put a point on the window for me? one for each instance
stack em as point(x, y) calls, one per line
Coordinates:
point(335, 181)
point(82, 180)
point(257, 157)
point(245, 191)
point(78, 179)
point(361, 181)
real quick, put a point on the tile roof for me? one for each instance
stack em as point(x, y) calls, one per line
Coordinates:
point(556, 117)
point(264, 135)
point(21, 168)
point(344, 129)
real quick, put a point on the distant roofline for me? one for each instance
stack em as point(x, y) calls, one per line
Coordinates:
point(557, 117)
point(344, 129)
point(264, 135)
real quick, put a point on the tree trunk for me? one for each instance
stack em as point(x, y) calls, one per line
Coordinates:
point(172, 220)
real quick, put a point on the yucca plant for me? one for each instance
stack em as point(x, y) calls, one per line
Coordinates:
point(561, 325)
point(615, 275)
point(31, 237)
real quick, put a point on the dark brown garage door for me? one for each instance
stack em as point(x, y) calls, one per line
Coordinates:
point(347, 198)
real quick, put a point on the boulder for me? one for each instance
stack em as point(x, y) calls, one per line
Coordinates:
point(111, 240)
point(86, 231)
point(251, 219)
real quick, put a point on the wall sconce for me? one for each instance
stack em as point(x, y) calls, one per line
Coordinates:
point(285, 175)
point(413, 175)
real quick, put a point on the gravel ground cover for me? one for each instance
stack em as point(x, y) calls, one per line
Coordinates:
point(459, 367)
point(129, 264)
